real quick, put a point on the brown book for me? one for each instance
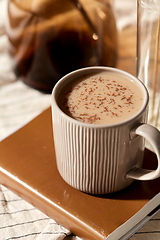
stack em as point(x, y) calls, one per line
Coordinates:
point(28, 168)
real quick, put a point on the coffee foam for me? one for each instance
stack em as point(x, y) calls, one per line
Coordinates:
point(103, 98)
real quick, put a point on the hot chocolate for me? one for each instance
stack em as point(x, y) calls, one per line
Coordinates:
point(103, 98)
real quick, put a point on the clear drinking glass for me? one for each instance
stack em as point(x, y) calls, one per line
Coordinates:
point(50, 38)
point(148, 53)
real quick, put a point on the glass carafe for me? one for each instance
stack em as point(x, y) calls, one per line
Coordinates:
point(148, 54)
point(50, 38)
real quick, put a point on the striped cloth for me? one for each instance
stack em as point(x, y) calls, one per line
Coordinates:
point(18, 105)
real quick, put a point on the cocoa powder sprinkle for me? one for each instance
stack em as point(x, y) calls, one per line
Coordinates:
point(95, 96)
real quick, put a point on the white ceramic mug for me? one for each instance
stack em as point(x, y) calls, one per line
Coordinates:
point(101, 159)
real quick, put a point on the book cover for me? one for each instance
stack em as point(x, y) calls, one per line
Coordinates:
point(28, 168)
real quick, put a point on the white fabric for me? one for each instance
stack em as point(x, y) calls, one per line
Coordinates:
point(18, 105)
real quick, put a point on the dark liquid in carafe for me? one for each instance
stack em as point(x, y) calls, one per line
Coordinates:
point(42, 53)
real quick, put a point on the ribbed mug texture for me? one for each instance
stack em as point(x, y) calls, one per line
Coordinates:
point(95, 158)
point(87, 157)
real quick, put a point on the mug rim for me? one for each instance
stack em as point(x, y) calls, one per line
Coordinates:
point(88, 70)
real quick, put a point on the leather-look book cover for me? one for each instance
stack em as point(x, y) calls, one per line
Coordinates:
point(28, 168)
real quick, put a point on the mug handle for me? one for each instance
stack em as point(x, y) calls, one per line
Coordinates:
point(153, 137)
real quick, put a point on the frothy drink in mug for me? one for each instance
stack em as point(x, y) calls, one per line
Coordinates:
point(102, 98)
point(102, 150)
